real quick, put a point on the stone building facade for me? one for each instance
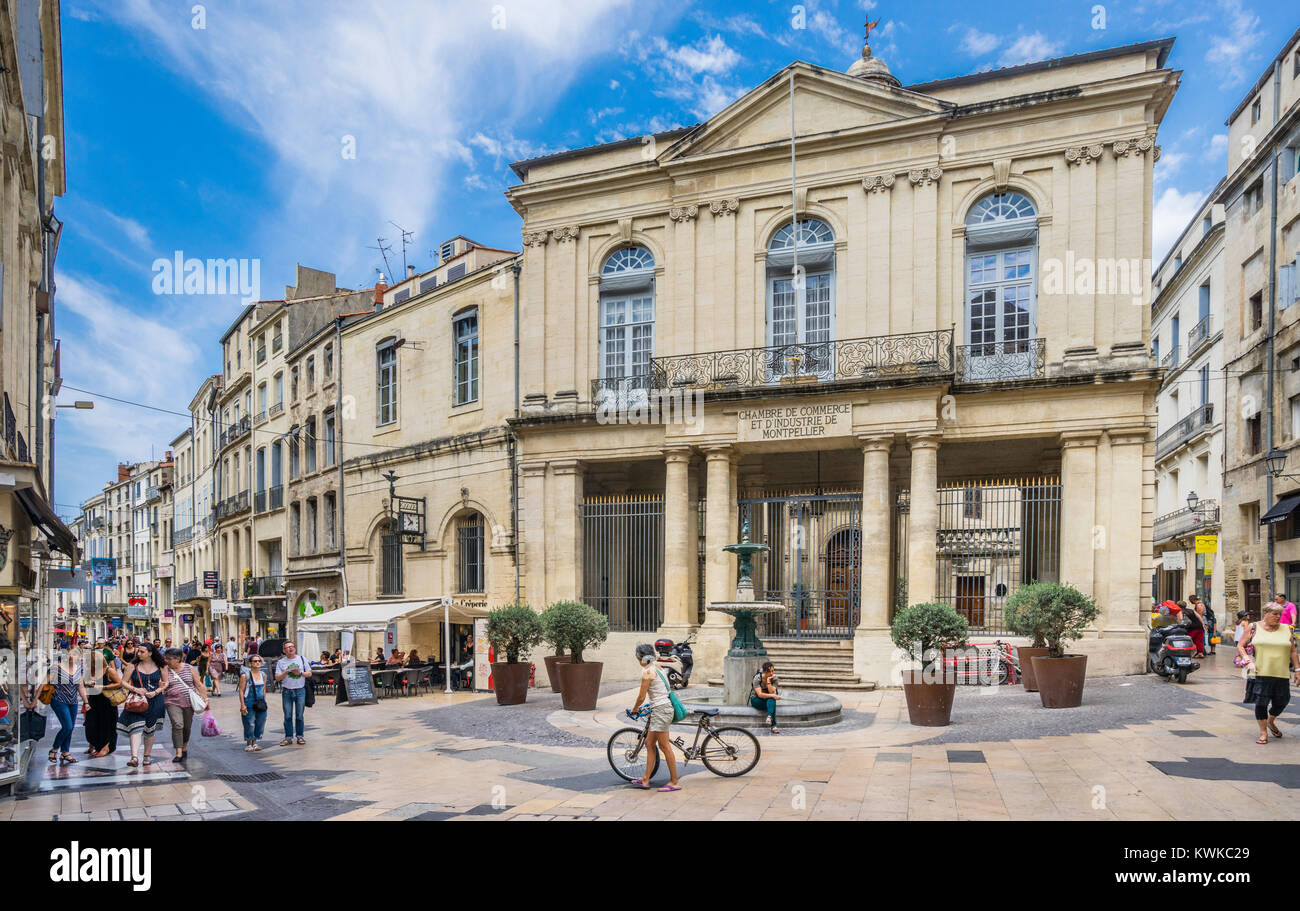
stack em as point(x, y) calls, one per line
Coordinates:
point(922, 374)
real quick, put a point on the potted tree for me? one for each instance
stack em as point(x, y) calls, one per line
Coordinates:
point(560, 656)
point(577, 627)
point(923, 632)
point(1062, 612)
point(513, 631)
point(1023, 622)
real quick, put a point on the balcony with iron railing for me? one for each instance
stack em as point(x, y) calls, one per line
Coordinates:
point(187, 590)
point(261, 353)
point(182, 535)
point(277, 408)
point(1170, 359)
point(235, 431)
point(152, 493)
point(259, 417)
point(232, 505)
point(1186, 521)
point(263, 586)
point(1186, 430)
point(1197, 336)
point(1000, 362)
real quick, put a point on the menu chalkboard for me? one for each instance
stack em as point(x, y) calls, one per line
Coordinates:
point(358, 689)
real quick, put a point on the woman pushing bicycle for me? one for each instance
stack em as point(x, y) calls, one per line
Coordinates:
point(655, 685)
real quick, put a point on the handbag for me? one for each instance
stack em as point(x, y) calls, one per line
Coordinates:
point(258, 705)
point(309, 698)
point(679, 710)
point(33, 725)
point(134, 702)
point(116, 696)
point(45, 695)
point(196, 701)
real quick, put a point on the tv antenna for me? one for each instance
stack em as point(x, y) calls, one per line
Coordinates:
point(384, 249)
point(406, 236)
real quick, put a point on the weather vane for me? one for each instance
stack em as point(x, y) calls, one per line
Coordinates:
point(866, 41)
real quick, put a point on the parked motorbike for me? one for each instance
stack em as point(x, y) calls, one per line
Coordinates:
point(676, 660)
point(1169, 652)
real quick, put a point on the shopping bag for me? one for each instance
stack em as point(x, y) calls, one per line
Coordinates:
point(33, 725)
point(209, 728)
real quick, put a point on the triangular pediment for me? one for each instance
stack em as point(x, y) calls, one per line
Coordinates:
point(824, 102)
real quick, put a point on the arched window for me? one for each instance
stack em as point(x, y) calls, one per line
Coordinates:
point(801, 309)
point(627, 319)
point(1001, 275)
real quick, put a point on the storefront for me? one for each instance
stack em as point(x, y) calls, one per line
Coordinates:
point(18, 631)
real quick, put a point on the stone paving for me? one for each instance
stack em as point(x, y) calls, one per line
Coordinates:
point(1139, 748)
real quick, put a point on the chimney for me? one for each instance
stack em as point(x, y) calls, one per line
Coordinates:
point(380, 287)
point(410, 271)
point(123, 471)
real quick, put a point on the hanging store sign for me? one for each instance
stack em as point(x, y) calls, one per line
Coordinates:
point(795, 422)
point(103, 570)
point(1207, 544)
point(210, 579)
point(1174, 559)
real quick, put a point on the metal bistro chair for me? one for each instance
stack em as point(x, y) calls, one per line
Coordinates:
point(424, 678)
point(384, 682)
point(409, 680)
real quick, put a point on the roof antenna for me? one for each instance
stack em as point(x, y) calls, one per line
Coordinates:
point(384, 249)
point(406, 236)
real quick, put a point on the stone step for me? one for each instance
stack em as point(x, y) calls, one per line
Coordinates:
point(853, 684)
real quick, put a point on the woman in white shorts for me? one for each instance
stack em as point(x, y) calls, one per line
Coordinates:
point(655, 686)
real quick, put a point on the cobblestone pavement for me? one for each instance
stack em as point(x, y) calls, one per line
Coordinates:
point(1139, 748)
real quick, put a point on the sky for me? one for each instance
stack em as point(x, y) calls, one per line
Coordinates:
point(301, 131)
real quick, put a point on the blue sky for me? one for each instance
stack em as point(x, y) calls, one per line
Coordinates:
point(225, 129)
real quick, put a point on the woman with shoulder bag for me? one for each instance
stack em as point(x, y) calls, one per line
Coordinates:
point(185, 696)
point(101, 716)
point(146, 684)
point(654, 686)
point(68, 696)
point(252, 703)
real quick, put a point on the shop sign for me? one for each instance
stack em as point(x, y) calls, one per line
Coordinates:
point(210, 578)
point(1207, 544)
point(795, 422)
point(168, 613)
point(1174, 560)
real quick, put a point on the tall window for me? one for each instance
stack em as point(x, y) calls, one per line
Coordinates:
point(391, 578)
point(386, 382)
point(295, 528)
point(311, 375)
point(327, 360)
point(329, 437)
point(469, 552)
point(279, 389)
point(328, 521)
point(1001, 267)
point(309, 521)
point(465, 332)
point(293, 384)
point(309, 443)
point(293, 453)
point(804, 316)
point(627, 314)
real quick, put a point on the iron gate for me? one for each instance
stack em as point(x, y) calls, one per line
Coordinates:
point(623, 559)
point(993, 536)
point(813, 565)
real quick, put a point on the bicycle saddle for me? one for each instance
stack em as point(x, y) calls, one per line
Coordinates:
point(710, 712)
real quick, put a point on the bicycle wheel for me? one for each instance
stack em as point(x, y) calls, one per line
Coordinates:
point(626, 751)
point(730, 752)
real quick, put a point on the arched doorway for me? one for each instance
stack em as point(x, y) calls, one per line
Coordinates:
point(843, 578)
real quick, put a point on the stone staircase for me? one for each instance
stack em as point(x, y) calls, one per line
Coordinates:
point(813, 664)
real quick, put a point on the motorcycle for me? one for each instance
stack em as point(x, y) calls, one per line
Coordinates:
point(1169, 652)
point(676, 660)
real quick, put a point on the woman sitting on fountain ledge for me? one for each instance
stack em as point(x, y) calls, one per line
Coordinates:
point(765, 694)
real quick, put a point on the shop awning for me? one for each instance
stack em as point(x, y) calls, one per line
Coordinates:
point(1282, 510)
point(376, 616)
point(43, 516)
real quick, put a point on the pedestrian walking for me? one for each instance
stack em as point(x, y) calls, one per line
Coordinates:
point(141, 717)
point(654, 686)
point(232, 651)
point(216, 667)
point(292, 672)
point(67, 697)
point(1273, 663)
point(101, 715)
point(252, 703)
point(1288, 609)
point(180, 707)
point(1211, 625)
point(765, 694)
point(1195, 627)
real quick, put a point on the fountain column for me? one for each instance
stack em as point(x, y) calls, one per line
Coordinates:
point(923, 519)
point(679, 544)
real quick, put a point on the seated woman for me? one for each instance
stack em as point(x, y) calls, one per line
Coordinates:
point(395, 659)
point(413, 659)
point(764, 695)
point(324, 659)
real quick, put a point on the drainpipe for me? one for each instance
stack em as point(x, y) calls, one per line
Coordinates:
point(1272, 323)
point(338, 432)
point(513, 444)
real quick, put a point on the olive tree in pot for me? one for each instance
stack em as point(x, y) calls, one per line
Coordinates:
point(1022, 622)
point(1062, 612)
point(923, 632)
point(560, 656)
point(513, 631)
point(577, 627)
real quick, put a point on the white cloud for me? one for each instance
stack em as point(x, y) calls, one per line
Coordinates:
point(1218, 147)
point(830, 29)
point(1236, 39)
point(694, 75)
point(977, 43)
point(1029, 48)
point(1173, 210)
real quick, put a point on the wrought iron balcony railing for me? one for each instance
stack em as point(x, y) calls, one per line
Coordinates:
point(276, 496)
point(260, 417)
point(1197, 335)
point(262, 586)
point(231, 505)
point(187, 590)
point(1186, 521)
point(275, 409)
point(881, 357)
point(1171, 358)
point(994, 362)
point(1185, 430)
point(259, 501)
point(181, 535)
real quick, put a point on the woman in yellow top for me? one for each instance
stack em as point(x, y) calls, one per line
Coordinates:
point(1274, 661)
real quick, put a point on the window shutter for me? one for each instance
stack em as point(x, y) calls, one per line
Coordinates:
point(1286, 286)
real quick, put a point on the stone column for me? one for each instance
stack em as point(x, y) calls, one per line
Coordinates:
point(564, 530)
point(875, 573)
point(1128, 517)
point(923, 518)
point(679, 540)
point(1079, 509)
point(719, 566)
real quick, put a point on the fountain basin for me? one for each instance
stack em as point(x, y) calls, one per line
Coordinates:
point(795, 708)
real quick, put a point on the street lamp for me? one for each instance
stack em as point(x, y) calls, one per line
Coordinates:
point(1275, 461)
point(1192, 501)
point(80, 405)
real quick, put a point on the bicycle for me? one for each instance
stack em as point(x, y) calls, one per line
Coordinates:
point(726, 751)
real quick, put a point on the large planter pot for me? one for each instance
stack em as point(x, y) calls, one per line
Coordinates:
point(1027, 675)
point(511, 681)
point(580, 685)
point(929, 704)
point(551, 673)
point(1060, 680)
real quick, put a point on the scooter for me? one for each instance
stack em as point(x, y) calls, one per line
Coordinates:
point(676, 661)
point(1169, 652)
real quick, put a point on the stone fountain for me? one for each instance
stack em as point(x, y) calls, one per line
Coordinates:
point(797, 708)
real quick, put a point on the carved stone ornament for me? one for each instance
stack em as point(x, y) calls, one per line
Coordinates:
point(724, 206)
point(923, 177)
point(683, 213)
point(568, 232)
point(1125, 147)
point(1082, 155)
point(881, 183)
point(536, 238)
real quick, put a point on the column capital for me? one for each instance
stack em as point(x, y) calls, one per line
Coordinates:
point(876, 442)
point(1127, 436)
point(1079, 439)
point(678, 454)
point(568, 466)
point(719, 453)
point(926, 439)
point(532, 468)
